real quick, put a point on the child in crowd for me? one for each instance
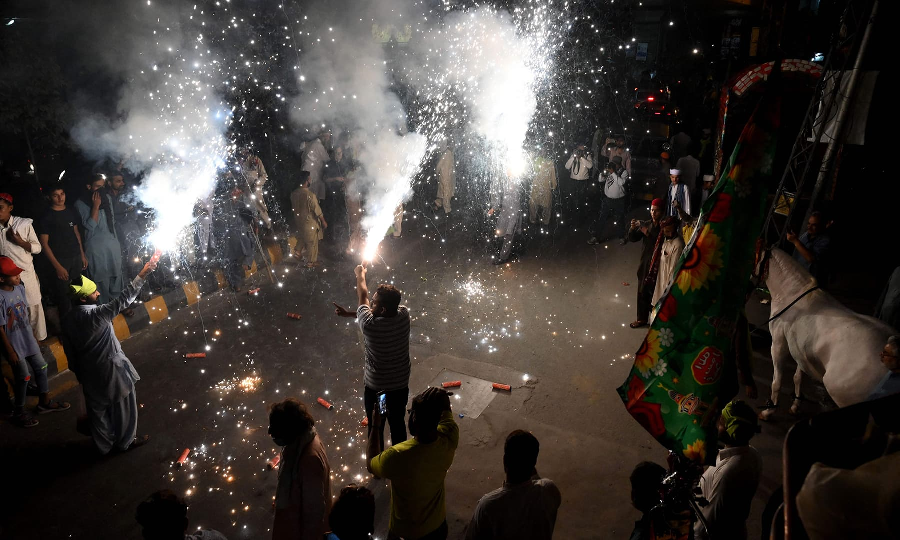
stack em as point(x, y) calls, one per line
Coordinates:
point(20, 346)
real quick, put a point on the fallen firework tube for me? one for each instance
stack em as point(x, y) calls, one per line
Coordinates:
point(499, 386)
point(294, 316)
point(325, 404)
point(195, 355)
point(183, 457)
point(273, 463)
point(451, 384)
point(253, 291)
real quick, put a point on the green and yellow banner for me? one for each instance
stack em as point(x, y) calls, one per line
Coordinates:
point(684, 371)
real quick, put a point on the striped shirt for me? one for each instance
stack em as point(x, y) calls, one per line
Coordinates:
point(387, 349)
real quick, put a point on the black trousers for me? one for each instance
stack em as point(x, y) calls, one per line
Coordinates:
point(614, 208)
point(396, 405)
point(644, 297)
point(60, 288)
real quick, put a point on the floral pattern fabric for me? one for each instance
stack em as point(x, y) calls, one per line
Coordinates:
point(675, 389)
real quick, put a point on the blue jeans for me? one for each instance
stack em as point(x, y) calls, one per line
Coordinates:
point(20, 372)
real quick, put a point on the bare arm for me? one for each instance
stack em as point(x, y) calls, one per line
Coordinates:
point(375, 445)
point(84, 261)
point(7, 346)
point(362, 290)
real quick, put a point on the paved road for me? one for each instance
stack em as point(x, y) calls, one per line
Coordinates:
point(553, 325)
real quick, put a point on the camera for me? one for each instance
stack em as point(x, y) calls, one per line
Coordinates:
point(382, 404)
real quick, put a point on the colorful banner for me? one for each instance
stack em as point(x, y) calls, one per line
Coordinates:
point(684, 371)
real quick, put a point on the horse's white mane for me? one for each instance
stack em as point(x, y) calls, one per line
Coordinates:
point(794, 276)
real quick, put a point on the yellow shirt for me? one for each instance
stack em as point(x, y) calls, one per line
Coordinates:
point(417, 472)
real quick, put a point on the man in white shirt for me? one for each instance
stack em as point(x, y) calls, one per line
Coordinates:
point(525, 507)
point(731, 483)
point(579, 167)
point(19, 242)
point(613, 179)
point(314, 159)
point(678, 196)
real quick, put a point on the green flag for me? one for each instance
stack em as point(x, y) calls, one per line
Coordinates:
point(675, 389)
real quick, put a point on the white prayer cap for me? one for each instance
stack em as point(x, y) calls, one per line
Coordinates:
point(674, 172)
point(708, 178)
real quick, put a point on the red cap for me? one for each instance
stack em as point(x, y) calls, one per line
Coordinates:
point(658, 202)
point(8, 267)
point(6, 197)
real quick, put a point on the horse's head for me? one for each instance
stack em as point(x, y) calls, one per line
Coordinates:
point(761, 262)
point(783, 274)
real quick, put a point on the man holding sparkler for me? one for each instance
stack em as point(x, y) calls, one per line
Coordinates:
point(105, 373)
point(385, 329)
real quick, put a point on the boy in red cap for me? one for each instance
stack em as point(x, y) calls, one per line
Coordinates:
point(20, 346)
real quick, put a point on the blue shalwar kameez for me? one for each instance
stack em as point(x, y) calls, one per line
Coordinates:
point(105, 373)
point(102, 249)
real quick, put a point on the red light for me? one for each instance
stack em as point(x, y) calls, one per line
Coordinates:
point(651, 98)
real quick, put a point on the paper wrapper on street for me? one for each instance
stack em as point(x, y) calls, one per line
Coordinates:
point(684, 371)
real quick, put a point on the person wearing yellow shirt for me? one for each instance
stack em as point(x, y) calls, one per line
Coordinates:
point(417, 467)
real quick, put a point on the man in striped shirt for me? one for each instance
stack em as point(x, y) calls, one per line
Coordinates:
point(385, 329)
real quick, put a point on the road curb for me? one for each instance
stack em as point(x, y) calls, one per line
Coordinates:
point(155, 310)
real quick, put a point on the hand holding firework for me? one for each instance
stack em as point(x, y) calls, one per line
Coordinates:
point(151, 265)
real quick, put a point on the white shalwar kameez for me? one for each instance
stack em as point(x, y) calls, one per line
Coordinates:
point(446, 173)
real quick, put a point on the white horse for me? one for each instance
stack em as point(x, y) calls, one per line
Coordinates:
point(829, 342)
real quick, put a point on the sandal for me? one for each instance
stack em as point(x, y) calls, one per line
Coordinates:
point(53, 406)
point(138, 441)
point(638, 324)
point(24, 420)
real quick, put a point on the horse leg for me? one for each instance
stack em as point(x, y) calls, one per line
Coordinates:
point(779, 353)
point(798, 378)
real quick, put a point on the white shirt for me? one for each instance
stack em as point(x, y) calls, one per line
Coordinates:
point(614, 184)
point(729, 486)
point(690, 171)
point(23, 259)
point(584, 168)
point(686, 204)
point(525, 511)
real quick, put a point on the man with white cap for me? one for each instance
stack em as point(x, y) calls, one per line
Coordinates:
point(708, 181)
point(678, 195)
point(105, 373)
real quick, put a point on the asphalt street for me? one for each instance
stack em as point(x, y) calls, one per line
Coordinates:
point(552, 324)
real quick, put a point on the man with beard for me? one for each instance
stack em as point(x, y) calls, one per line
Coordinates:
point(100, 242)
point(105, 373)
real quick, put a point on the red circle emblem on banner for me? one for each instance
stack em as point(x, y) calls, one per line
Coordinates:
point(707, 367)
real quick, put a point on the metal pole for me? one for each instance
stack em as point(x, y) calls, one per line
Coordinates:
point(843, 111)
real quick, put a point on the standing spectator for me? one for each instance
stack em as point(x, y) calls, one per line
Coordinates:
point(385, 329)
point(677, 195)
point(661, 186)
point(680, 142)
point(255, 176)
point(19, 242)
point(235, 219)
point(309, 221)
point(890, 357)
point(668, 250)
point(100, 243)
point(314, 159)
point(812, 247)
point(303, 495)
point(613, 204)
point(105, 373)
point(525, 507)
point(646, 483)
point(352, 515)
point(163, 516)
point(20, 347)
point(608, 151)
point(61, 242)
point(690, 174)
point(446, 176)
point(542, 188)
point(335, 210)
point(647, 233)
point(506, 204)
point(731, 483)
point(708, 184)
point(579, 167)
point(417, 467)
point(126, 219)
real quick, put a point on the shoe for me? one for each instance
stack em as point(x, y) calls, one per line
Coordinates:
point(623, 242)
point(638, 324)
point(24, 420)
point(593, 241)
point(53, 406)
